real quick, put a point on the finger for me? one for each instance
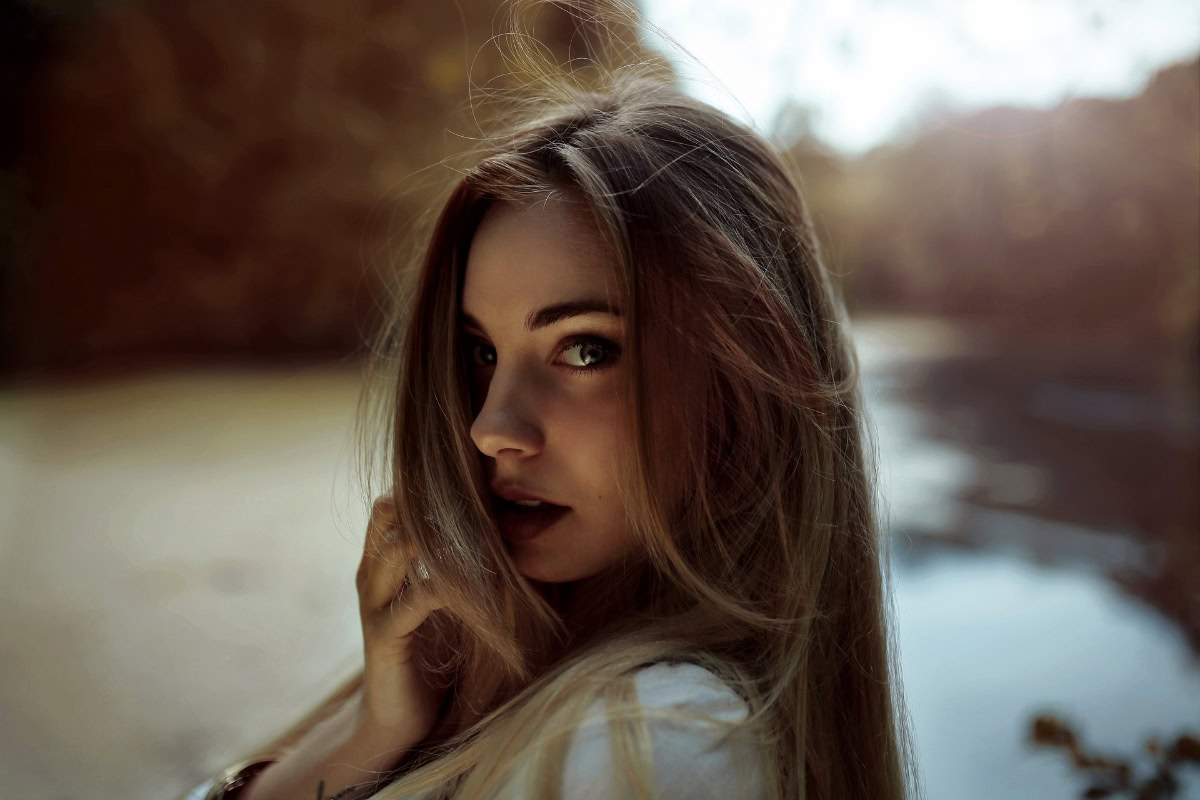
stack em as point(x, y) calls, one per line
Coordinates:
point(389, 567)
point(412, 595)
point(391, 632)
point(385, 558)
point(371, 544)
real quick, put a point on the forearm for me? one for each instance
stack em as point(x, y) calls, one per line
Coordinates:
point(339, 758)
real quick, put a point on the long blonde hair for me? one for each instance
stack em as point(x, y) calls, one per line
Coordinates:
point(765, 563)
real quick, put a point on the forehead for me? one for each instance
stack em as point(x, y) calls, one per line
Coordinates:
point(528, 255)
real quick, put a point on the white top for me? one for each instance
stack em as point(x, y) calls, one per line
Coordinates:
point(687, 760)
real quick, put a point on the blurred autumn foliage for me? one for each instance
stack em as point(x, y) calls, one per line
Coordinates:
point(200, 180)
point(1081, 220)
point(214, 179)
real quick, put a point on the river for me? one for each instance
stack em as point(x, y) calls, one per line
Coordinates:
point(177, 554)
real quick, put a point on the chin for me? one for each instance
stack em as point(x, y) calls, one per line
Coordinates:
point(537, 572)
point(538, 567)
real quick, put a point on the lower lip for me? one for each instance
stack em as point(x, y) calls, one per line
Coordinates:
point(523, 525)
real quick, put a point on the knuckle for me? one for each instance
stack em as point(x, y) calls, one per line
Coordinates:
point(381, 525)
point(382, 507)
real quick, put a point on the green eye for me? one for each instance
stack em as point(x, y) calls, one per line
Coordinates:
point(597, 353)
point(593, 352)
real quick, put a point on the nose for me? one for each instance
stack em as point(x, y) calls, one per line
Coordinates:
point(508, 420)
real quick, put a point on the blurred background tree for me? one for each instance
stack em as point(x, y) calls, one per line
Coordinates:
point(198, 181)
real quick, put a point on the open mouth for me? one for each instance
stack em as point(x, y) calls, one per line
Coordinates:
point(522, 508)
point(518, 521)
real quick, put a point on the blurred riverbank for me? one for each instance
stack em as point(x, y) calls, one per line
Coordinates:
point(178, 557)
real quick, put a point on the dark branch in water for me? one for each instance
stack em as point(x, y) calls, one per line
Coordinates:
point(1110, 777)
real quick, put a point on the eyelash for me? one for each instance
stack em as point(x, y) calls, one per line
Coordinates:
point(611, 348)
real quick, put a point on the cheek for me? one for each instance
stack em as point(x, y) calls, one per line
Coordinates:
point(597, 458)
point(591, 436)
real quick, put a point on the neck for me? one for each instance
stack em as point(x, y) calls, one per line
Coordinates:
point(584, 606)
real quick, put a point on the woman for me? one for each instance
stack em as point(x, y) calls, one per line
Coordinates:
point(622, 310)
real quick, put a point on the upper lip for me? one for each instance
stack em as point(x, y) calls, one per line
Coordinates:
point(510, 491)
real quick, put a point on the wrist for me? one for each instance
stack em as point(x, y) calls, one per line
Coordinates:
point(365, 735)
point(351, 737)
point(336, 757)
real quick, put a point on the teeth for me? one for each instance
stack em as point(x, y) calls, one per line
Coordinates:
point(529, 503)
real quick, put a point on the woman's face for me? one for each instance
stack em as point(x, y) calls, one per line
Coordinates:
point(548, 417)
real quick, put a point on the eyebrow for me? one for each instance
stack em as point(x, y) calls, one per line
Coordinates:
point(556, 313)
